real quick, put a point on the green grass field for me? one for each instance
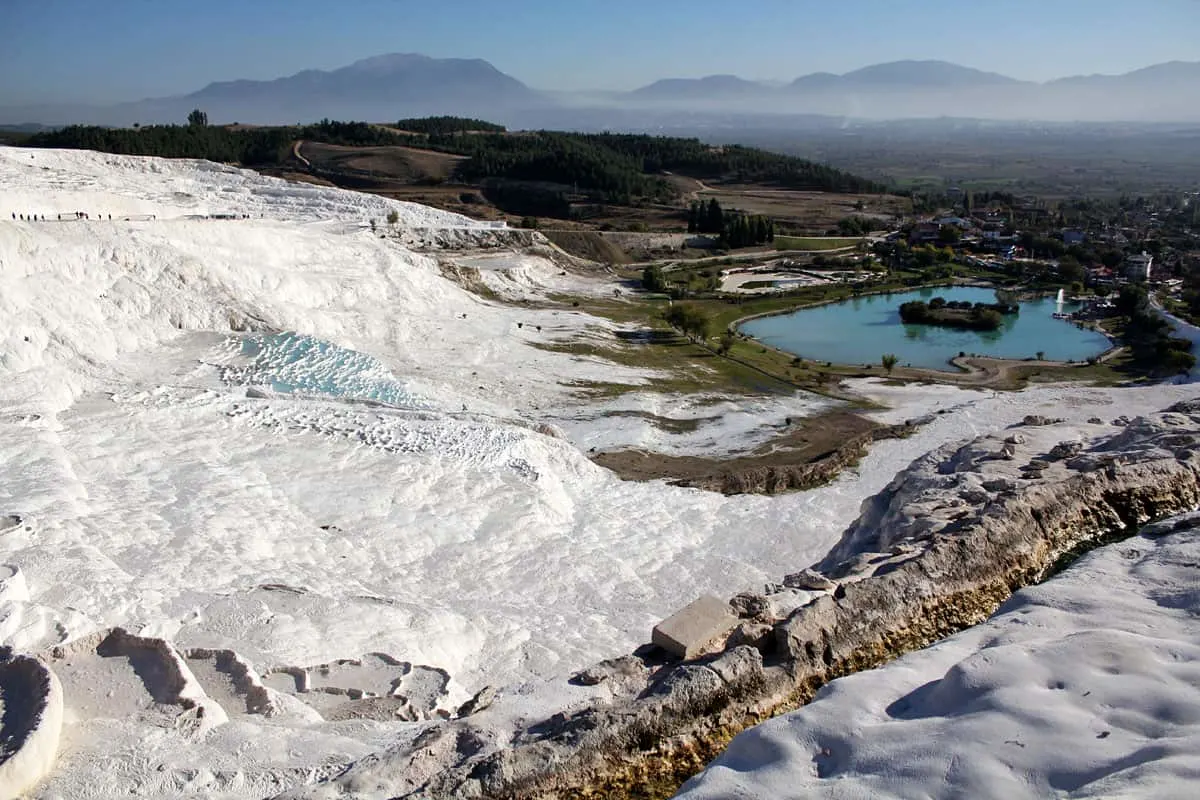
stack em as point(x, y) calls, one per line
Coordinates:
point(813, 242)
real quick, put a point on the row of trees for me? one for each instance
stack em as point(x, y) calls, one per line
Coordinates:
point(735, 230)
point(692, 322)
point(1191, 292)
point(1001, 306)
point(854, 226)
point(654, 279)
point(689, 320)
point(747, 231)
point(1149, 335)
point(952, 314)
point(198, 139)
point(448, 126)
point(706, 217)
point(253, 146)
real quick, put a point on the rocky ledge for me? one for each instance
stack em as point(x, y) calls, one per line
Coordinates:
point(779, 478)
point(951, 538)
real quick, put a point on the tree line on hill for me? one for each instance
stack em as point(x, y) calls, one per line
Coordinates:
point(612, 168)
point(447, 126)
point(634, 165)
point(249, 146)
point(696, 159)
point(565, 159)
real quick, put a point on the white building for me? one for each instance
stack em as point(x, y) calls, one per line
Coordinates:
point(1137, 268)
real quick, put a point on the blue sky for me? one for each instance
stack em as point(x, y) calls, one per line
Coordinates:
point(109, 50)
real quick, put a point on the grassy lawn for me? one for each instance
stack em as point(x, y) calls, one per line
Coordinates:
point(1179, 309)
point(813, 242)
point(687, 367)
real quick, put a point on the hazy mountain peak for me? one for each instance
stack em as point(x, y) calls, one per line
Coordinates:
point(725, 79)
point(925, 73)
point(386, 62)
point(707, 85)
point(387, 86)
point(1170, 69)
point(1179, 77)
point(815, 80)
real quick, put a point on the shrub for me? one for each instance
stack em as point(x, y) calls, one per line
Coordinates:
point(726, 343)
point(689, 320)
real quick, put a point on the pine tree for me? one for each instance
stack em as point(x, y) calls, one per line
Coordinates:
point(715, 218)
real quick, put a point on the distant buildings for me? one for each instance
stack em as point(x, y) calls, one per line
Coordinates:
point(931, 230)
point(1071, 237)
point(1137, 268)
point(924, 232)
point(1100, 276)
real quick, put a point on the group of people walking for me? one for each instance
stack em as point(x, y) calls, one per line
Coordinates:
point(61, 217)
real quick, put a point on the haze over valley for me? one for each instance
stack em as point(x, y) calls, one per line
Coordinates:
point(409, 85)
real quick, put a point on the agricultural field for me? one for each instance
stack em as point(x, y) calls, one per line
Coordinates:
point(402, 164)
point(810, 212)
point(815, 243)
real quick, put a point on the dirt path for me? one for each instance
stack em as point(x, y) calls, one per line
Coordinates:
point(986, 372)
point(810, 452)
point(692, 187)
point(299, 156)
point(762, 255)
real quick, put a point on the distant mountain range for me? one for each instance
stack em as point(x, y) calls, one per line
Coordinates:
point(382, 88)
point(913, 89)
point(401, 85)
point(913, 75)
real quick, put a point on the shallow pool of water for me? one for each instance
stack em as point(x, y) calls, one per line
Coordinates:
point(292, 363)
point(862, 329)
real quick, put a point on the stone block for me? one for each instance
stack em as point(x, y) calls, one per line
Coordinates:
point(810, 580)
point(686, 632)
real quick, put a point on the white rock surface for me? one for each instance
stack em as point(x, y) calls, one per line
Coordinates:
point(1085, 686)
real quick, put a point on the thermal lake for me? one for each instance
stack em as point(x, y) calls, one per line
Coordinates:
point(862, 329)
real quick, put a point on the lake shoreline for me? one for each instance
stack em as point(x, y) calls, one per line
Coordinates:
point(966, 366)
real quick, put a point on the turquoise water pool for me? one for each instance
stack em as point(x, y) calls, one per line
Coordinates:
point(861, 330)
point(292, 363)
